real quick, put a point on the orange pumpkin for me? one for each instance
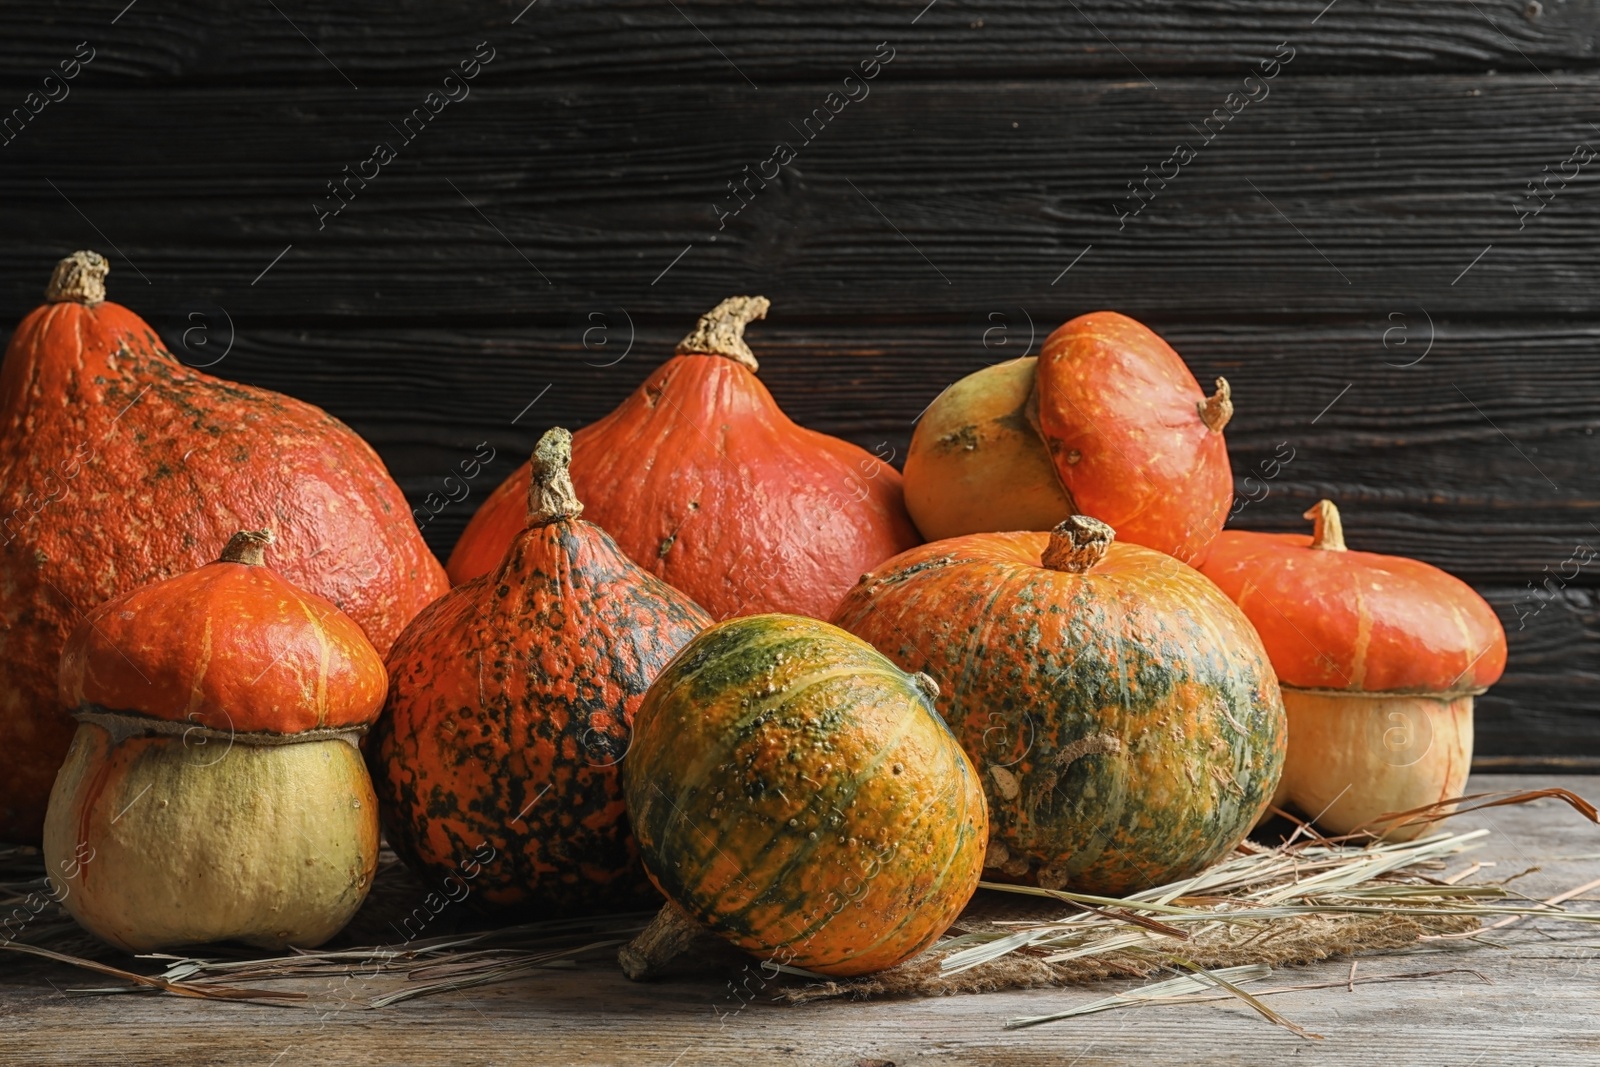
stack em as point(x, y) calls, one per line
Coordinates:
point(214, 790)
point(1135, 441)
point(1107, 421)
point(511, 707)
point(705, 482)
point(794, 792)
point(120, 466)
point(1121, 711)
point(1380, 658)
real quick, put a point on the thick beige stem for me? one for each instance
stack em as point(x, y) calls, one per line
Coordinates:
point(720, 331)
point(551, 495)
point(1077, 544)
point(669, 934)
point(80, 277)
point(247, 546)
point(1217, 409)
point(1327, 531)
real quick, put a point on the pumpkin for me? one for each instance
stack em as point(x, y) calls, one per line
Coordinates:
point(976, 463)
point(510, 710)
point(1122, 713)
point(120, 466)
point(706, 483)
point(1117, 419)
point(1380, 658)
point(794, 793)
point(214, 790)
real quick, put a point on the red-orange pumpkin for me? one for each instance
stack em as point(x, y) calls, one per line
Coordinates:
point(704, 481)
point(1380, 657)
point(1121, 711)
point(120, 466)
point(510, 710)
point(214, 790)
point(1135, 441)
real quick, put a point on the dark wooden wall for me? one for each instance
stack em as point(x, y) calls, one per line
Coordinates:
point(1350, 250)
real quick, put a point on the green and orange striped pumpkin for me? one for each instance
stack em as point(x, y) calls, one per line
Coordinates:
point(509, 712)
point(1122, 711)
point(793, 791)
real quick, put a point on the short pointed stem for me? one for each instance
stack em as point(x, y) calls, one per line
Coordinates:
point(669, 934)
point(1077, 544)
point(248, 547)
point(720, 331)
point(1217, 409)
point(1328, 528)
point(551, 495)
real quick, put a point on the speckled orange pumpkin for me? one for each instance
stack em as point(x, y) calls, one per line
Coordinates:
point(794, 792)
point(214, 790)
point(1122, 712)
point(510, 710)
point(120, 466)
point(705, 482)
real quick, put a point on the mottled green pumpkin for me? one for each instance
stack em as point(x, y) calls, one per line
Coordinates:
point(793, 790)
point(1122, 712)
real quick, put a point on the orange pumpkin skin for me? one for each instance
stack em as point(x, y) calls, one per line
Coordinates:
point(1135, 441)
point(123, 467)
point(1125, 719)
point(794, 792)
point(705, 482)
point(1380, 658)
point(510, 710)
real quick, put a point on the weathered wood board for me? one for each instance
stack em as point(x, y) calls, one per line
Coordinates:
point(1524, 995)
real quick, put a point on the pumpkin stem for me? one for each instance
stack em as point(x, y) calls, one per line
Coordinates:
point(1077, 544)
point(929, 687)
point(551, 496)
point(720, 331)
point(1328, 528)
point(247, 546)
point(80, 277)
point(1217, 409)
point(669, 934)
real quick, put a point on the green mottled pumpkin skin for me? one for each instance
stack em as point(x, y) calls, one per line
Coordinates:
point(793, 790)
point(1126, 722)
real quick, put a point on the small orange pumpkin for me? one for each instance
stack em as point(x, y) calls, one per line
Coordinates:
point(511, 708)
point(1107, 421)
point(1121, 711)
point(1380, 658)
point(214, 789)
point(705, 482)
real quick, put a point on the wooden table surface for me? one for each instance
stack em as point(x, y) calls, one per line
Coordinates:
point(1528, 998)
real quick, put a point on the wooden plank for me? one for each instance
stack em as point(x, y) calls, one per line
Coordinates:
point(1533, 993)
point(529, 201)
point(779, 40)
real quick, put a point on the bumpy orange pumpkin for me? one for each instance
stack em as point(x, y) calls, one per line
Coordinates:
point(511, 707)
point(120, 466)
point(1122, 712)
point(794, 792)
point(214, 790)
point(1108, 422)
point(1380, 657)
point(704, 481)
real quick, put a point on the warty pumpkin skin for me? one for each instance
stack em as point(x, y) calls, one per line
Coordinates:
point(121, 466)
point(706, 483)
point(1135, 441)
point(976, 463)
point(510, 711)
point(214, 790)
point(794, 792)
point(1380, 658)
point(1122, 713)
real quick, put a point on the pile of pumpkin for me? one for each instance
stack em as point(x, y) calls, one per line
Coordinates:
point(630, 691)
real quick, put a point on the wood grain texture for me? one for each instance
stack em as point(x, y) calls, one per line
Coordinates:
point(1527, 1001)
point(777, 40)
point(1330, 196)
